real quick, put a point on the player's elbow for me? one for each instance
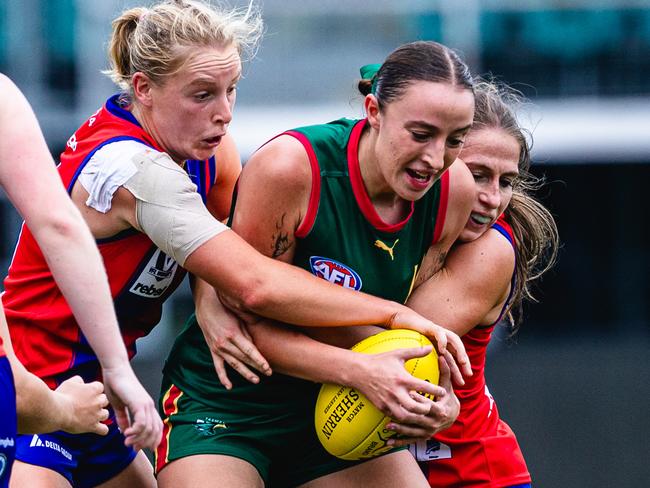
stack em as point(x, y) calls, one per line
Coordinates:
point(257, 295)
point(60, 227)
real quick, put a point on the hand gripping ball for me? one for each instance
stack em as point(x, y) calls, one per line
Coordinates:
point(347, 424)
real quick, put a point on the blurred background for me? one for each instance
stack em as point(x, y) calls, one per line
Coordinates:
point(575, 382)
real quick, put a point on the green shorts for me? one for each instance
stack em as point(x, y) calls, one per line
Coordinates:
point(270, 425)
point(283, 448)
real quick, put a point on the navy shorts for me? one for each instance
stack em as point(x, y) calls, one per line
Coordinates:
point(8, 421)
point(85, 460)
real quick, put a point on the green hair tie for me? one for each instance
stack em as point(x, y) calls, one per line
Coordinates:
point(369, 72)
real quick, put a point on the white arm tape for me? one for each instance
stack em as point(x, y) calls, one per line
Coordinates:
point(107, 170)
point(168, 208)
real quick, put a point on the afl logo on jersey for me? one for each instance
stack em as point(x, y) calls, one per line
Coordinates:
point(335, 272)
point(156, 276)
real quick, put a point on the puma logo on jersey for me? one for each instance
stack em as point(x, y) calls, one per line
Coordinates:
point(381, 245)
point(156, 276)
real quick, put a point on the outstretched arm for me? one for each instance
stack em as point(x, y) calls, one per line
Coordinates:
point(30, 180)
point(274, 192)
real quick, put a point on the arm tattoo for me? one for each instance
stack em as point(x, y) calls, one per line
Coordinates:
point(281, 243)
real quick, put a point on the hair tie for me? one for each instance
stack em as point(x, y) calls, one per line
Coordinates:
point(369, 72)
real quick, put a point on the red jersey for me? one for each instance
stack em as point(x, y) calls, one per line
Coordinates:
point(46, 337)
point(479, 449)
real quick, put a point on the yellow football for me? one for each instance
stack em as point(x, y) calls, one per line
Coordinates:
point(347, 424)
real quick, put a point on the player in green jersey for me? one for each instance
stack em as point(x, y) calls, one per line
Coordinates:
point(367, 204)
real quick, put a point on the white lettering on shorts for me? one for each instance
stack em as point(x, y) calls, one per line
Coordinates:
point(38, 442)
point(7, 442)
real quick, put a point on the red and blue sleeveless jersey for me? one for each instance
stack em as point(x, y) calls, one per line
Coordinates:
point(46, 337)
point(479, 449)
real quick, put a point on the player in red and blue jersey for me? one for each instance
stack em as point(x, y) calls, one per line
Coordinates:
point(125, 169)
point(509, 240)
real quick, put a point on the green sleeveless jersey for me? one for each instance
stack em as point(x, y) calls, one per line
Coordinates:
point(342, 238)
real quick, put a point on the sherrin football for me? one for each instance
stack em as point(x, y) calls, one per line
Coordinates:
point(347, 424)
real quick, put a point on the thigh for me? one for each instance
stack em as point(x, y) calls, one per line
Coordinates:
point(24, 474)
point(104, 458)
point(138, 474)
point(202, 470)
point(388, 471)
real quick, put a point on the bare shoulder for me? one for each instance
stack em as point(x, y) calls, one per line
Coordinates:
point(490, 258)
point(273, 197)
point(283, 161)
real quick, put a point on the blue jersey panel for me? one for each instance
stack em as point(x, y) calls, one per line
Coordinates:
point(7, 421)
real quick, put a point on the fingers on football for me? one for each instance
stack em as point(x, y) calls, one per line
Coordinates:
point(418, 386)
point(440, 336)
point(412, 352)
point(449, 371)
point(459, 355)
point(409, 433)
